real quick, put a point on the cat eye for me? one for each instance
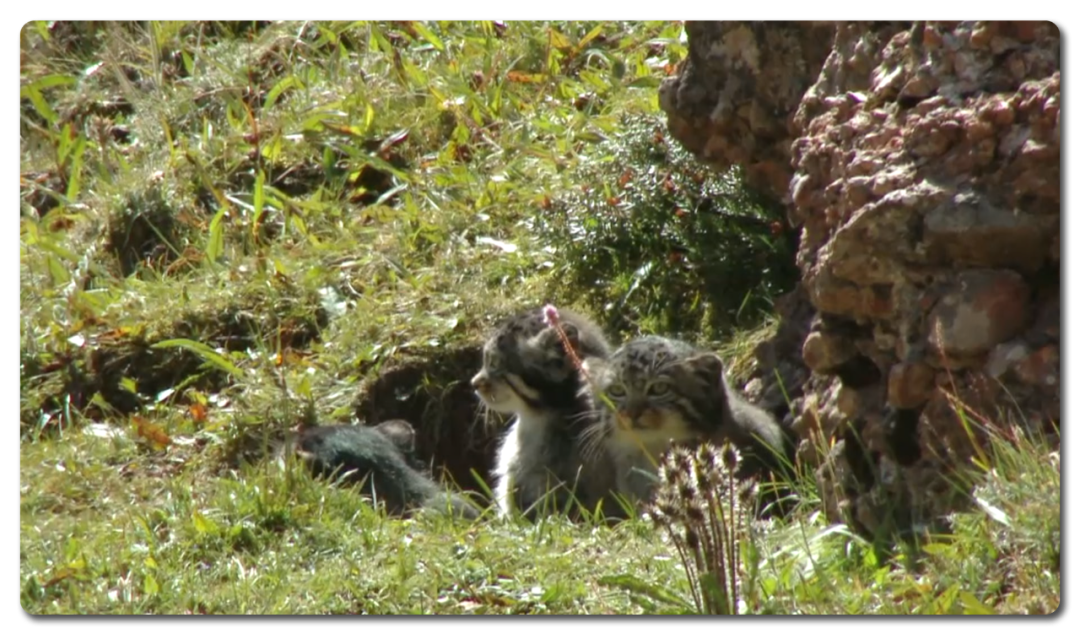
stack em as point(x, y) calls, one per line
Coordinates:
point(659, 389)
point(616, 391)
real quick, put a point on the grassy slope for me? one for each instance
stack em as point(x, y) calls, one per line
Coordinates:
point(326, 199)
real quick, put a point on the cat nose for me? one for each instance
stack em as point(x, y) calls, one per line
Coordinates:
point(629, 414)
point(479, 381)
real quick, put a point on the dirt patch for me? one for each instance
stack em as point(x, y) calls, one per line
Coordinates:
point(291, 322)
point(370, 182)
point(53, 382)
point(72, 380)
point(435, 396)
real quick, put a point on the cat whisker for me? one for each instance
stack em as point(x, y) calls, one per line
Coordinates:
point(592, 439)
point(480, 417)
point(587, 417)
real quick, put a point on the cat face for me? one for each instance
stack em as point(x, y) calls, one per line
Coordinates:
point(655, 390)
point(526, 366)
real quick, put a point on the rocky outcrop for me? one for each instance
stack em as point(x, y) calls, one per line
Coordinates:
point(733, 99)
point(924, 177)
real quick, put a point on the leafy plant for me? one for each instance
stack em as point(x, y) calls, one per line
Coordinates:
point(654, 238)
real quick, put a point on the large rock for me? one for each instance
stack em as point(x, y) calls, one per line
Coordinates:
point(731, 103)
point(921, 164)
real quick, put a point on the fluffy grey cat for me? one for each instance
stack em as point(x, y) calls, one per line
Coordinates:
point(528, 373)
point(654, 391)
point(381, 459)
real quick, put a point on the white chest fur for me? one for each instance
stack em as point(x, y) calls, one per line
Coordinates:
point(519, 456)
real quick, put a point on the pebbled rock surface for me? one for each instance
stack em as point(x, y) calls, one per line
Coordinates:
point(921, 163)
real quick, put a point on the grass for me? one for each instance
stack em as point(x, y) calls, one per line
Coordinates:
point(299, 210)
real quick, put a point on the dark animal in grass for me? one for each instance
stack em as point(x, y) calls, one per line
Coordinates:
point(380, 459)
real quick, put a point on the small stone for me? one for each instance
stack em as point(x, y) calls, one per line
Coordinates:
point(1003, 356)
point(765, 354)
point(910, 384)
point(979, 129)
point(847, 401)
point(931, 38)
point(929, 105)
point(857, 191)
point(918, 87)
point(1000, 113)
point(877, 301)
point(801, 190)
point(1041, 367)
point(981, 37)
point(981, 309)
point(830, 295)
point(883, 339)
point(824, 352)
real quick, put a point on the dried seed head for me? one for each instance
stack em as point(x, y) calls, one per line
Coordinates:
point(748, 488)
point(709, 455)
point(715, 473)
point(693, 540)
point(654, 514)
point(682, 458)
point(687, 493)
point(730, 457)
point(663, 472)
point(678, 476)
point(665, 507)
point(695, 512)
point(717, 480)
point(701, 470)
point(694, 473)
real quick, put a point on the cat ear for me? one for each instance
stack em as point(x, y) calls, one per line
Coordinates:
point(708, 366)
point(593, 366)
point(399, 432)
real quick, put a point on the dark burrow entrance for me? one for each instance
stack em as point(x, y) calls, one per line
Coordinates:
point(435, 396)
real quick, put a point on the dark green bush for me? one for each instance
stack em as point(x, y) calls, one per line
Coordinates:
point(658, 241)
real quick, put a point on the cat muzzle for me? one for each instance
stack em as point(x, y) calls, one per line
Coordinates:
point(630, 417)
point(482, 384)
